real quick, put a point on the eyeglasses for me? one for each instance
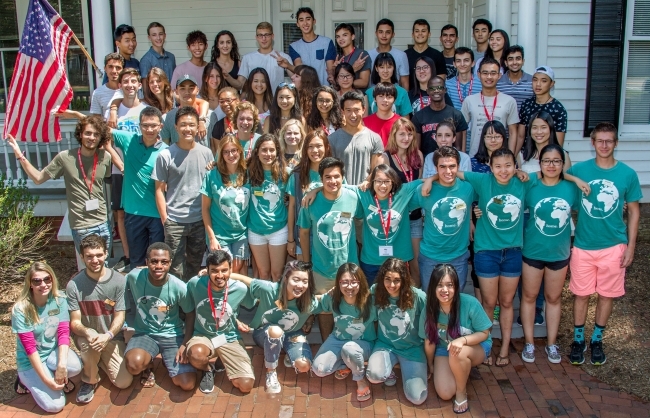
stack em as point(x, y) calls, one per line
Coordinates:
point(345, 76)
point(354, 283)
point(324, 101)
point(547, 162)
point(383, 182)
point(422, 68)
point(226, 101)
point(607, 142)
point(230, 151)
point(39, 281)
point(436, 88)
point(161, 262)
point(264, 35)
point(290, 85)
point(493, 137)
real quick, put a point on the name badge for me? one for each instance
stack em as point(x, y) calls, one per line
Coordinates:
point(53, 312)
point(258, 193)
point(385, 250)
point(218, 341)
point(461, 206)
point(497, 200)
point(346, 215)
point(92, 204)
point(109, 302)
point(163, 308)
point(356, 321)
point(372, 208)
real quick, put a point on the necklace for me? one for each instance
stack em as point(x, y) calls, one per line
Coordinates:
point(547, 101)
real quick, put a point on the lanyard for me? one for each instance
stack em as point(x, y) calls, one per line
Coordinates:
point(229, 125)
point(223, 305)
point(385, 224)
point(83, 172)
point(494, 106)
point(469, 92)
point(407, 174)
point(250, 146)
point(327, 131)
point(349, 56)
point(422, 106)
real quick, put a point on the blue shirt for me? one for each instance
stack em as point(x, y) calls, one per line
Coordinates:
point(130, 63)
point(166, 62)
point(315, 54)
point(521, 90)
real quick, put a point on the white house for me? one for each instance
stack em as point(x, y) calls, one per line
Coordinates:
point(599, 50)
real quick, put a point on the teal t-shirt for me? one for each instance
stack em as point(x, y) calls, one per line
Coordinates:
point(229, 207)
point(472, 319)
point(205, 322)
point(600, 216)
point(348, 324)
point(314, 182)
point(333, 234)
point(402, 105)
point(155, 309)
point(446, 221)
point(248, 145)
point(269, 212)
point(139, 189)
point(268, 312)
point(502, 223)
point(45, 332)
point(547, 234)
point(398, 329)
point(399, 233)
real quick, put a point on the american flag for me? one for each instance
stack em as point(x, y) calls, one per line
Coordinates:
point(39, 86)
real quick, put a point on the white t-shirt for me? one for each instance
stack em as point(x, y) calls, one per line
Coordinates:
point(188, 68)
point(256, 59)
point(401, 61)
point(475, 114)
point(101, 100)
point(430, 168)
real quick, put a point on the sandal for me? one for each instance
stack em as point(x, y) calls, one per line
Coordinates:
point(342, 374)
point(363, 395)
point(69, 387)
point(488, 360)
point(19, 388)
point(148, 379)
point(502, 361)
point(459, 405)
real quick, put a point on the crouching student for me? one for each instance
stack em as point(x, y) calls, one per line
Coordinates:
point(155, 299)
point(216, 299)
point(281, 318)
point(456, 332)
point(349, 346)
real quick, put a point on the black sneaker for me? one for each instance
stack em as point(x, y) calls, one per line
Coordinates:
point(577, 355)
point(86, 392)
point(598, 357)
point(207, 381)
point(219, 366)
point(122, 264)
point(539, 316)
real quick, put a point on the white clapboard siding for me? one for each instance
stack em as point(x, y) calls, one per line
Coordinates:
point(404, 12)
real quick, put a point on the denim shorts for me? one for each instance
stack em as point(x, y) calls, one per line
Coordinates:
point(495, 263)
point(238, 250)
point(441, 349)
point(166, 346)
point(416, 228)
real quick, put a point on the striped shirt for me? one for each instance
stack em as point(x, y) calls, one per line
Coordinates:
point(520, 91)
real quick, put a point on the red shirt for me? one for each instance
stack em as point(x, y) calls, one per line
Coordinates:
point(380, 126)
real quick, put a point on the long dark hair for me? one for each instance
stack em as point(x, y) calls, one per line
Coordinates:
point(383, 58)
point(309, 82)
point(305, 163)
point(530, 148)
point(247, 93)
point(415, 84)
point(204, 92)
point(363, 300)
point(549, 148)
point(433, 304)
point(275, 121)
point(506, 44)
point(482, 155)
point(255, 169)
point(315, 120)
point(406, 298)
point(305, 300)
point(234, 52)
point(342, 66)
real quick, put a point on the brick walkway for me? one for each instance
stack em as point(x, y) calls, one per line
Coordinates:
point(518, 390)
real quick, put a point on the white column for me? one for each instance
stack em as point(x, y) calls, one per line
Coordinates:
point(527, 33)
point(503, 15)
point(102, 31)
point(122, 12)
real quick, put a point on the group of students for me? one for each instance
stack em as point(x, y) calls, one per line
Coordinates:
point(332, 187)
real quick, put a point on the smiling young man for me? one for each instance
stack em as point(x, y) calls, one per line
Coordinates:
point(187, 88)
point(449, 39)
point(381, 122)
point(481, 30)
point(125, 43)
point(385, 32)
point(157, 56)
point(604, 244)
point(197, 43)
point(516, 83)
point(421, 33)
point(358, 58)
point(216, 298)
point(101, 100)
point(464, 84)
point(97, 313)
point(179, 173)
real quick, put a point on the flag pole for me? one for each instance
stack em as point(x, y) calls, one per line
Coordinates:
point(83, 49)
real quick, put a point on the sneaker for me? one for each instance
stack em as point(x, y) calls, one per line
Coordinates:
point(553, 353)
point(287, 362)
point(497, 313)
point(528, 355)
point(598, 357)
point(391, 380)
point(539, 316)
point(86, 392)
point(577, 355)
point(122, 264)
point(219, 366)
point(116, 235)
point(207, 381)
point(519, 321)
point(272, 383)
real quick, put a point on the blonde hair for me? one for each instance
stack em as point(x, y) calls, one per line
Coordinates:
point(242, 175)
point(242, 106)
point(25, 302)
point(283, 131)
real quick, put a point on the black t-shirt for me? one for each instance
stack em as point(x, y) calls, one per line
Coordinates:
point(420, 100)
point(219, 129)
point(437, 57)
point(426, 121)
point(530, 107)
point(451, 70)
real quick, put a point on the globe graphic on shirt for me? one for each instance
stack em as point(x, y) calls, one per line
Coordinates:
point(287, 319)
point(233, 202)
point(354, 330)
point(603, 199)
point(448, 214)
point(149, 312)
point(374, 223)
point(334, 230)
point(398, 325)
point(504, 211)
point(270, 198)
point(207, 319)
point(552, 215)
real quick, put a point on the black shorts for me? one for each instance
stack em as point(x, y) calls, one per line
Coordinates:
point(551, 265)
point(116, 191)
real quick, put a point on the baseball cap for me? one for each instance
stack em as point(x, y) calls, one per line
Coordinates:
point(546, 70)
point(186, 77)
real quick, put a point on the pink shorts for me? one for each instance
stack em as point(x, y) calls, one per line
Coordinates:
point(598, 271)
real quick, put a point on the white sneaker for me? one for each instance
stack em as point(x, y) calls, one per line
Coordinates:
point(528, 355)
point(553, 354)
point(287, 362)
point(272, 383)
point(391, 380)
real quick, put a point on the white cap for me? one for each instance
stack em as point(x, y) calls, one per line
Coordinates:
point(546, 70)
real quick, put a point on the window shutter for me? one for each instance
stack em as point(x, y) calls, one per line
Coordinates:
point(606, 45)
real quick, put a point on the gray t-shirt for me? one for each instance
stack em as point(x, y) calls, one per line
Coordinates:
point(355, 152)
point(183, 171)
point(169, 134)
point(97, 300)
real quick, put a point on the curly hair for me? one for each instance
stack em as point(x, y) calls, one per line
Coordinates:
point(315, 120)
point(255, 169)
point(242, 174)
point(406, 298)
point(98, 123)
point(244, 106)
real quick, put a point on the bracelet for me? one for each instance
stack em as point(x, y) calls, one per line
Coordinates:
point(110, 334)
point(21, 157)
point(291, 242)
point(465, 340)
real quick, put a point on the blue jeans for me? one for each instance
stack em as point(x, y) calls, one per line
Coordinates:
point(427, 265)
point(294, 344)
point(414, 374)
point(370, 270)
point(337, 354)
point(103, 230)
point(143, 231)
point(494, 263)
point(49, 400)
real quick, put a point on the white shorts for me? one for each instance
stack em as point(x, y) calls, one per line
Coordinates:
point(277, 238)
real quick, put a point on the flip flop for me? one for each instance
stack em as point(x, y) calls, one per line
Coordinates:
point(19, 388)
point(488, 360)
point(459, 404)
point(342, 374)
point(505, 359)
point(363, 395)
point(148, 379)
point(69, 387)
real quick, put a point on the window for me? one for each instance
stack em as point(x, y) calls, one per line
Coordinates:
point(636, 85)
point(359, 35)
point(290, 34)
point(76, 61)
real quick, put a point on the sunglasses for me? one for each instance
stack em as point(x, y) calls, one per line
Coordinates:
point(290, 85)
point(40, 281)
